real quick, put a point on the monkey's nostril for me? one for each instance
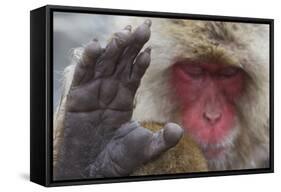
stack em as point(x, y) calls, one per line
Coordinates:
point(212, 117)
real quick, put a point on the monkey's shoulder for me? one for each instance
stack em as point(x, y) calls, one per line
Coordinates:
point(185, 157)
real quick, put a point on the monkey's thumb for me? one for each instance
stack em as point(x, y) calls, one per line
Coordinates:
point(164, 139)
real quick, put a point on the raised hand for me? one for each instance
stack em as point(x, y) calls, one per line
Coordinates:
point(100, 140)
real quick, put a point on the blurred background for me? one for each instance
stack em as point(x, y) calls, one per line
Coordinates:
point(73, 30)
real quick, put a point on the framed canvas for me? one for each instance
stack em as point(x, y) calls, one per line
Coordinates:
point(122, 95)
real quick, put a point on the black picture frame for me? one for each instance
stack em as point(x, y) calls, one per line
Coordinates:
point(41, 100)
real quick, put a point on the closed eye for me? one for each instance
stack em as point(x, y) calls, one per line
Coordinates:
point(228, 72)
point(194, 70)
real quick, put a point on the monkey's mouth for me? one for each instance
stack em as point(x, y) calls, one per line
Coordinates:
point(214, 152)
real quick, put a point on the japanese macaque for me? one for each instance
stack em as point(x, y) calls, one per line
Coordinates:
point(205, 83)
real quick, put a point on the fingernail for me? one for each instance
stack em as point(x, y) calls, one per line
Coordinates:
point(128, 27)
point(148, 49)
point(148, 22)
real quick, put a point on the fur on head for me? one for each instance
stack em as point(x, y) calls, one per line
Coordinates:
point(238, 44)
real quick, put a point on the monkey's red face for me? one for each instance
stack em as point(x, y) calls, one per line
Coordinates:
point(207, 92)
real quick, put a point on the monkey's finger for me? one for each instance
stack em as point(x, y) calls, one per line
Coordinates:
point(114, 49)
point(164, 139)
point(141, 64)
point(142, 33)
point(87, 62)
point(139, 37)
point(91, 52)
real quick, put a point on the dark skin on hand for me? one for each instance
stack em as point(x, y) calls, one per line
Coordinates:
point(100, 140)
